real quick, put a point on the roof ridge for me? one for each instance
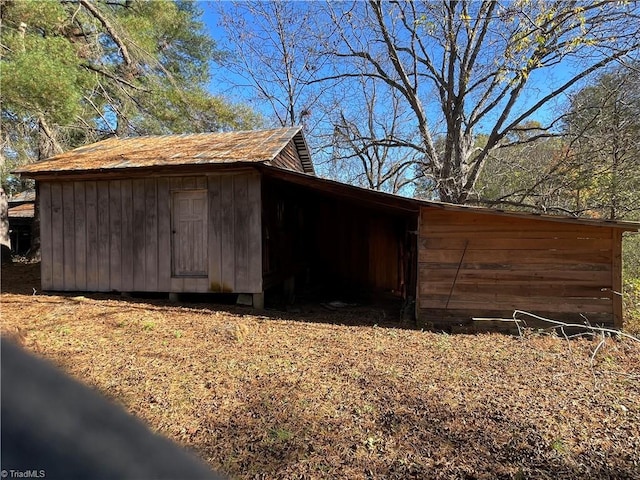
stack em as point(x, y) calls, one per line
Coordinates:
point(254, 146)
point(194, 134)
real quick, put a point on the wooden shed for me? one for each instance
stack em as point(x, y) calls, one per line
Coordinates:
point(21, 215)
point(241, 212)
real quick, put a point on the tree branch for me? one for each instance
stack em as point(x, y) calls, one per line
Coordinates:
point(126, 57)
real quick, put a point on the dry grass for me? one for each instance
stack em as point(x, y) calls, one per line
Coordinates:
point(268, 397)
point(631, 300)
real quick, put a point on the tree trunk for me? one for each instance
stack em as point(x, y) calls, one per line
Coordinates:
point(47, 146)
point(5, 240)
point(34, 251)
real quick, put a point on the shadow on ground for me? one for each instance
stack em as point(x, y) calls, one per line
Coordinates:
point(24, 279)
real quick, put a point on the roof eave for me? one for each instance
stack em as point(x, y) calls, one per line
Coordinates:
point(141, 170)
point(406, 203)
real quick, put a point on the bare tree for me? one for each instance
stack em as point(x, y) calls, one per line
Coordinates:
point(275, 49)
point(454, 69)
point(272, 51)
point(593, 169)
point(366, 133)
point(463, 67)
point(603, 124)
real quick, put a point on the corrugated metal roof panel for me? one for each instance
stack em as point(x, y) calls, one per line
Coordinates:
point(256, 146)
point(26, 196)
point(22, 211)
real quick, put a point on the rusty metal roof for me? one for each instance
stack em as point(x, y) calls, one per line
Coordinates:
point(256, 146)
point(22, 197)
point(25, 210)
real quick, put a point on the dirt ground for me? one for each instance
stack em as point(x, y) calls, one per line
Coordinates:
point(349, 394)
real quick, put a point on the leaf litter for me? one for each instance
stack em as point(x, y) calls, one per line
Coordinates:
point(324, 395)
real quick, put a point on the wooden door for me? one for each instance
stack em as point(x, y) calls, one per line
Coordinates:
point(189, 233)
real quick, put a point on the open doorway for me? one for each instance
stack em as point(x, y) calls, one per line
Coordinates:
point(322, 246)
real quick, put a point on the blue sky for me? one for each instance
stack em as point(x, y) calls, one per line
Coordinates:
point(226, 83)
point(223, 82)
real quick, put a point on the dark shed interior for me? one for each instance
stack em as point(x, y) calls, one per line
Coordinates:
point(327, 245)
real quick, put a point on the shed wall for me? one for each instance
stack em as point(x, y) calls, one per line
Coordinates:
point(478, 265)
point(100, 235)
point(342, 246)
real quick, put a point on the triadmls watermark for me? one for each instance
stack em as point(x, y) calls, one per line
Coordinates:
point(23, 473)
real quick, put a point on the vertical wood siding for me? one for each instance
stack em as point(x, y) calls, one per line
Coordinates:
point(475, 265)
point(116, 235)
point(91, 213)
point(80, 233)
point(46, 246)
point(235, 233)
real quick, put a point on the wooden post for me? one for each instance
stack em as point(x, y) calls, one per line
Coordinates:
point(616, 273)
point(258, 301)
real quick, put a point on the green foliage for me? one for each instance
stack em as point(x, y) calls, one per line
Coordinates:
point(603, 124)
point(631, 256)
point(591, 167)
point(43, 77)
point(149, 325)
point(76, 72)
point(280, 434)
point(631, 300)
point(631, 278)
point(528, 174)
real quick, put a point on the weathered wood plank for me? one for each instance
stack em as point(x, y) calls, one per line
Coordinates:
point(151, 236)
point(175, 183)
point(57, 236)
point(189, 230)
point(189, 183)
point(215, 243)
point(474, 302)
point(139, 236)
point(227, 234)
point(201, 183)
point(516, 256)
point(127, 227)
point(46, 240)
point(68, 227)
point(177, 282)
point(115, 235)
point(104, 248)
point(241, 232)
point(548, 244)
point(525, 234)
point(190, 284)
point(80, 235)
point(289, 159)
point(164, 235)
point(504, 266)
point(254, 210)
point(506, 277)
point(525, 290)
point(91, 198)
point(440, 220)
